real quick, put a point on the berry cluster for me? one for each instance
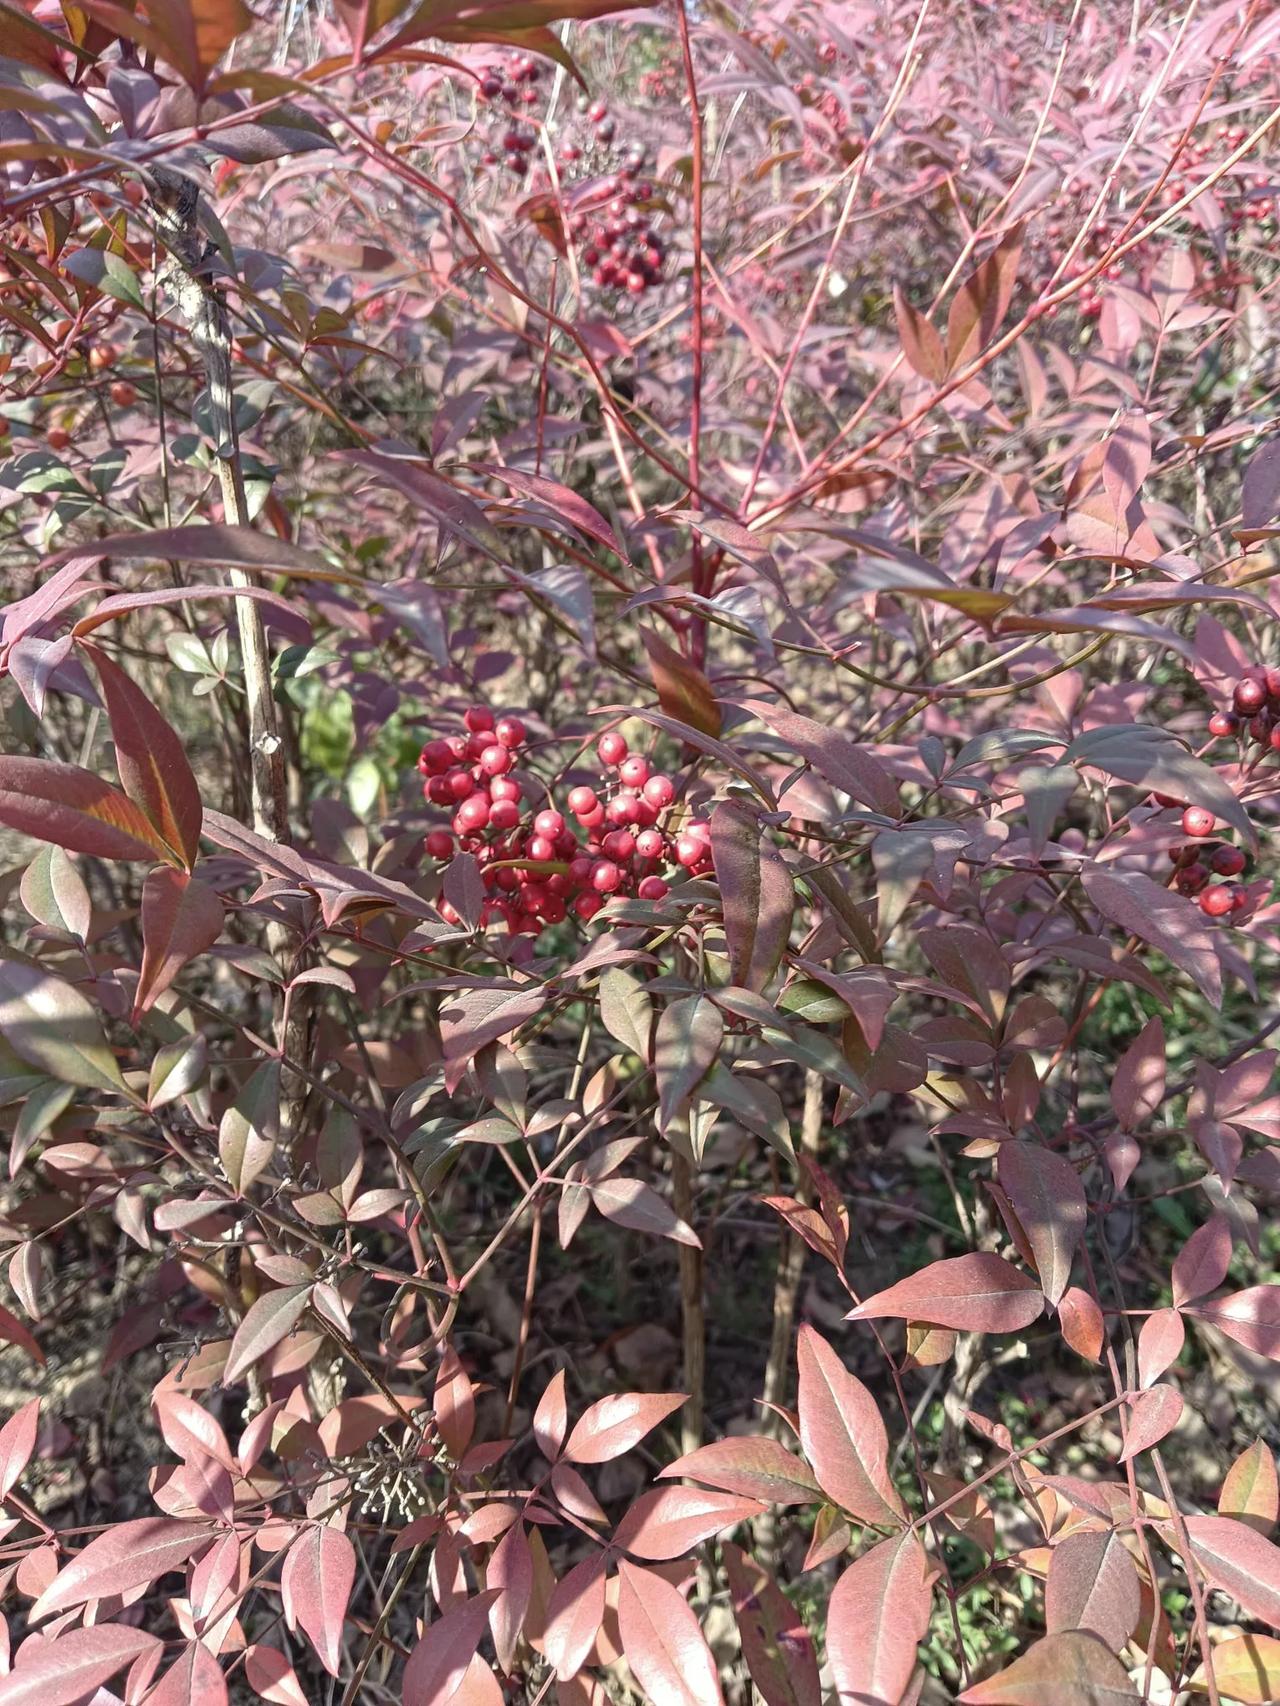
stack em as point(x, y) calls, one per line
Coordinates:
point(1197, 864)
point(507, 88)
point(1255, 711)
point(532, 860)
point(622, 249)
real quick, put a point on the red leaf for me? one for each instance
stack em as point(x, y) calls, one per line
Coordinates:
point(1093, 1584)
point(757, 895)
point(510, 1571)
point(17, 1442)
point(1159, 1345)
point(1201, 1264)
point(667, 1522)
point(1251, 1317)
point(1082, 1324)
point(683, 690)
point(12, 1332)
point(270, 1674)
point(920, 342)
point(154, 770)
point(842, 1434)
point(632, 1203)
point(575, 510)
point(74, 809)
point(1169, 922)
point(551, 1418)
point(849, 767)
point(757, 1467)
point(1073, 1668)
point(454, 1403)
point(1236, 1558)
point(188, 1429)
point(181, 917)
point(575, 1612)
point(439, 1662)
point(69, 1669)
point(266, 1322)
point(983, 300)
point(315, 1586)
point(195, 1679)
point(663, 1643)
point(978, 1293)
point(129, 1555)
point(1151, 1415)
point(1049, 1201)
point(1250, 1491)
point(876, 1619)
point(614, 1424)
point(775, 1643)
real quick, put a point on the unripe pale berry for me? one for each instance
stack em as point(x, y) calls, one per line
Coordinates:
point(611, 748)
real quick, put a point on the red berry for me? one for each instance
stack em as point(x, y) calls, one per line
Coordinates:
point(1215, 902)
point(611, 748)
point(460, 783)
point(634, 771)
point(510, 731)
point(619, 844)
point(592, 819)
point(438, 791)
point(1250, 695)
point(596, 111)
point(439, 844)
point(622, 810)
point(474, 812)
point(479, 719)
point(688, 851)
point(57, 438)
point(549, 823)
point(504, 788)
point(1228, 861)
point(504, 814)
point(1272, 679)
point(700, 830)
point(124, 395)
point(1223, 723)
point(582, 800)
point(605, 876)
point(1198, 820)
point(1192, 878)
point(495, 760)
point(580, 869)
point(653, 888)
point(437, 757)
point(587, 905)
point(660, 791)
point(650, 844)
point(540, 848)
point(1239, 897)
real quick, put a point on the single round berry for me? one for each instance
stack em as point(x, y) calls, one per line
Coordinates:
point(437, 757)
point(504, 814)
point(688, 851)
point(1250, 695)
point(1223, 723)
point(582, 800)
point(541, 848)
point(460, 783)
point(1239, 897)
point(553, 909)
point(619, 844)
point(496, 760)
point(1272, 679)
point(1198, 820)
point(587, 905)
point(504, 788)
point(439, 792)
point(1227, 861)
point(474, 812)
point(653, 888)
point(605, 876)
point(592, 819)
point(1192, 878)
point(479, 719)
point(624, 809)
point(102, 356)
point(650, 844)
point(634, 771)
point(124, 395)
point(510, 731)
point(439, 844)
point(611, 748)
point(659, 791)
point(1215, 902)
point(57, 438)
point(549, 823)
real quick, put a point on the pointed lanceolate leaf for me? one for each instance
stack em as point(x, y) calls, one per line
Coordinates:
point(129, 1555)
point(53, 1026)
point(614, 1424)
point(775, 1643)
point(757, 895)
point(1251, 1317)
point(315, 1586)
point(843, 1436)
point(1246, 1670)
point(1250, 1491)
point(683, 690)
point(1049, 1201)
point(838, 760)
point(1093, 1584)
point(667, 1522)
point(759, 1467)
point(74, 1666)
point(17, 1442)
point(272, 1318)
point(1167, 921)
point(1073, 1668)
point(575, 1612)
point(686, 1042)
point(1236, 1558)
point(978, 1293)
point(152, 759)
point(877, 1617)
point(663, 1643)
point(439, 1662)
point(181, 917)
point(75, 810)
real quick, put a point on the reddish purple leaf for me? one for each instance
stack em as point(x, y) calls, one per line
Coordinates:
point(17, 1442)
point(1093, 1584)
point(755, 1466)
point(1168, 921)
point(75, 810)
point(663, 1642)
point(1049, 1201)
point(632, 1203)
point(195, 1679)
point(1250, 1317)
point(270, 1674)
point(1159, 1344)
point(68, 1669)
point(1073, 1668)
point(757, 895)
point(842, 1434)
point(978, 1293)
point(1082, 1323)
point(614, 1424)
point(853, 769)
point(510, 1571)
point(152, 759)
point(683, 690)
point(1236, 1558)
point(551, 1418)
point(439, 1662)
point(129, 1555)
point(181, 917)
point(575, 1612)
point(1250, 1490)
point(1201, 1264)
point(1151, 1416)
point(667, 1522)
point(877, 1617)
point(920, 342)
point(188, 1429)
point(12, 1332)
point(315, 1586)
point(775, 1643)
point(574, 509)
point(272, 1318)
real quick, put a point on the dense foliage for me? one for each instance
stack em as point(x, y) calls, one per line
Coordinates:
point(642, 745)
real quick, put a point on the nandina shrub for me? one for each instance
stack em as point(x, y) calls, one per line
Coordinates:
point(643, 732)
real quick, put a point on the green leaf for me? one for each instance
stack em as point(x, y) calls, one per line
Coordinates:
point(105, 272)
